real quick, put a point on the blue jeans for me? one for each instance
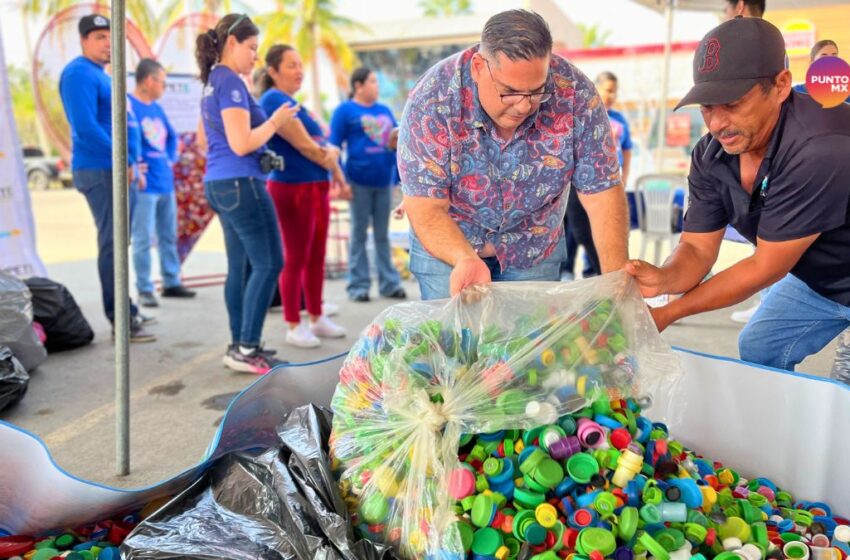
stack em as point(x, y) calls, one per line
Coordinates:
point(156, 213)
point(254, 252)
point(433, 274)
point(792, 322)
point(96, 186)
point(371, 203)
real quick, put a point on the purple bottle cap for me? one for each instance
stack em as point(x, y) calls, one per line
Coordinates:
point(623, 553)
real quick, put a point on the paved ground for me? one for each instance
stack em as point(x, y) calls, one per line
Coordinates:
point(179, 387)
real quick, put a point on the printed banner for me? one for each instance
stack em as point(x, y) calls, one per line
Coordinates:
point(18, 255)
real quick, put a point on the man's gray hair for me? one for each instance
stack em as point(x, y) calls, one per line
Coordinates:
point(517, 34)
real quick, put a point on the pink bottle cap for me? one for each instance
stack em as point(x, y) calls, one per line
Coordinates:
point(461, 483)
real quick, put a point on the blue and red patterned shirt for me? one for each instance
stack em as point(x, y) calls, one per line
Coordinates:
point(508, 193)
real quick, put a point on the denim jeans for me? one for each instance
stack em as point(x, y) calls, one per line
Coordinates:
point(371, 203)
point(96, 186)
point(433, 274)
point(792, 322)
point(155, 214)
point(254, 252)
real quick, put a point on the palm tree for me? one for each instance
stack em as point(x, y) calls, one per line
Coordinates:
point(593, 35)
point(310, 25)
point(435, 8)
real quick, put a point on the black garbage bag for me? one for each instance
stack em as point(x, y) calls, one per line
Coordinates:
point(279, 503)
point(57, 311)
point(14, 379)
point(16, 330)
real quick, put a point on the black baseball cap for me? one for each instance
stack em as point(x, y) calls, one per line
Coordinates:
point(91, 23)
point(732, 58)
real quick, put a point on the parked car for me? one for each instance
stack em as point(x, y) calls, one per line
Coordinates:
point(42, 170)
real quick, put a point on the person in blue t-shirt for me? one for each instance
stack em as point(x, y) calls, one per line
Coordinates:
point(86, 92)
point(301, 194)
point(236, 130)
point(156, 205)
point(576, 223)
point(367, 130)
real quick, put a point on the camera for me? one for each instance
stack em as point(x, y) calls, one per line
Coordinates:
point(270, 161)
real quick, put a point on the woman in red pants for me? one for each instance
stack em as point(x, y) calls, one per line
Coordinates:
point(301, 197)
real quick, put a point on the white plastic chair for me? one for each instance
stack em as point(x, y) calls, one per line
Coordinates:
point(654, 201)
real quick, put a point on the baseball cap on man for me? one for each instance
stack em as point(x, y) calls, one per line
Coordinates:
point(732, 58)
point(91, 23)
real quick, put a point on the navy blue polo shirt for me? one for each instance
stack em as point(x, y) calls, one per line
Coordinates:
point(802, 188)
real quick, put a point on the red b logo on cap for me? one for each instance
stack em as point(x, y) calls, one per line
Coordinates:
point(710, 58)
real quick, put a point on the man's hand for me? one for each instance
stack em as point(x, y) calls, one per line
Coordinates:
point(650, 279)
point(393, 141)
point(468, 271)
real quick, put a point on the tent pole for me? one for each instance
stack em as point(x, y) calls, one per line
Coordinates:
point(669, 6)
point(120, 214)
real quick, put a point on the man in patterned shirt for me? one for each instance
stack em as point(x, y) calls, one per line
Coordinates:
point(490, 141)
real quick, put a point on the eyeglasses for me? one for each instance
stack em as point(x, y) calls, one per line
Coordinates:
point(236, 23)
point(516, 98)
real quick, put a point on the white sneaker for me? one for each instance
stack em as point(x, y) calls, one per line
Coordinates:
point(745, 315)
point(326, 328)
point(302, 337)
point(329, 309)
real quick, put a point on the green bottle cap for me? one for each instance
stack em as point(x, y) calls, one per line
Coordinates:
point(375, 509)
point(531, 462)
point(653, 547)
point(466, 533)
point(492, 466)
point(605, 503)
point(650, 514)
point(482, 510)
point(64, 541)
point(628, 523)
point(581, 467)
point(512, 402)
point(45, 553)
point(521, 521)
point(760, 533)
point(535, 534)
point(670, 539)
point(549, 473)
point(735, 527)
point(534, 485)
point(528, 498)
point(596, 539)
point(486, 541)
point(695, 533)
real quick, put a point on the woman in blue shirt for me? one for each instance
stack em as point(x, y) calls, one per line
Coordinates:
point(237, 130)
point(301, 195)
point(365, 127)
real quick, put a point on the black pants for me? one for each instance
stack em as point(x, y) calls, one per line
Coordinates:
point(577, 230)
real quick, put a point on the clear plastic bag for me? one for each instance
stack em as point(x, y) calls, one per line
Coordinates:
point(426, 373)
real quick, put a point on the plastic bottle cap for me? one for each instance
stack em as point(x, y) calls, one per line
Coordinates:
point(15, 545)
point(841, 533)
point(735, 527)
point(652, 546)
point(605, 503)
point(374, 509)
point(628, 523)
point(670, 539)
point(535, 534)
point(594, 538)
point(581, 467)
point(466, 533)
point(492, 466)
point(482, 510)
point(461, 483)
point(45, 554)
point(650, 514)
point(532, 461)
point(546, 515)
point(528, 498)
point(796, 551)
point(620, 438)
point(486, 541)
point(549, 473)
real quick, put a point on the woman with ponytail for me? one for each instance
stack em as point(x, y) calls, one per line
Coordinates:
point(237, 129)
point(301, 197)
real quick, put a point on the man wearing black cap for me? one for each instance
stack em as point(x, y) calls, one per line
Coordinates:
point(775, 166)
point(86, 91)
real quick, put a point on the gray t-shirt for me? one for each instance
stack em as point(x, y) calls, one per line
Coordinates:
point(802, 188)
